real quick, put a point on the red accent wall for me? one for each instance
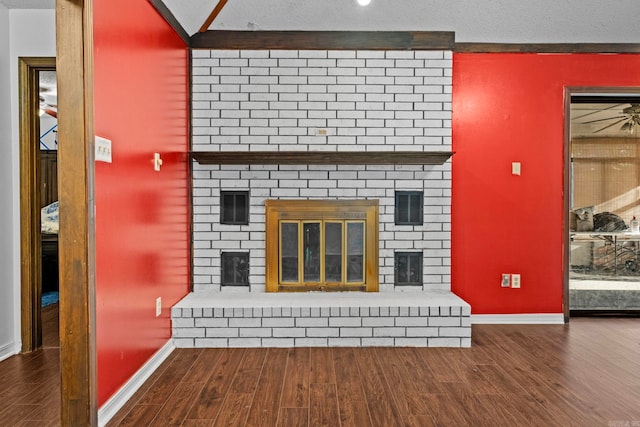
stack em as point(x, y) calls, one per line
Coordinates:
point(142, 216)
point(506, 108)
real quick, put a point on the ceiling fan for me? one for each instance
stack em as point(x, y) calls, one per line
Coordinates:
point(48, 93)
point(629, 117)
point(47, 108)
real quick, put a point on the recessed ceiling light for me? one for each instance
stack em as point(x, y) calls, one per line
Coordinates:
point(364, 2)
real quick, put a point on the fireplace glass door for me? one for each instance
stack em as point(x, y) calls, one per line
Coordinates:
point(321, 245)
point(322, 253)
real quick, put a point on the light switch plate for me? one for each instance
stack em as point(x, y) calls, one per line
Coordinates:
point(157, 162)
point(103, 150)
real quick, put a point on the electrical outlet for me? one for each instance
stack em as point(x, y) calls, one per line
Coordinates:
point(505, 280)
point(515, 280)
point(158, 306)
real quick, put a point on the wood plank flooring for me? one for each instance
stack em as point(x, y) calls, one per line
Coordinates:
point(51, 326)
point(586, 373)
point(583, 374)
point(30, 383)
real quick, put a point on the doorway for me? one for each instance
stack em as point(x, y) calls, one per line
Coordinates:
point(34, 246)
point(49, 207)
point(603, 203)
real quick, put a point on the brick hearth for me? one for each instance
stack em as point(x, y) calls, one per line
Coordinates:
point(354, 319)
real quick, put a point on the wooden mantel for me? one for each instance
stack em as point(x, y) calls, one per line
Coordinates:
point(321, 157)
point(324, 40)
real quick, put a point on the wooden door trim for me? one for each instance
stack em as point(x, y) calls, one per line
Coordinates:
point(74, 49)
point(566, 242)
point(30, 244)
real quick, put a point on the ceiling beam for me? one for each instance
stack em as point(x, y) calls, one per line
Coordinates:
point(214, 13)
point(168, 16)
point(547, 47)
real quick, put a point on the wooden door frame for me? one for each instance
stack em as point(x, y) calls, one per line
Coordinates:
point(30, 242)
point(568, 91)
point(74, 72)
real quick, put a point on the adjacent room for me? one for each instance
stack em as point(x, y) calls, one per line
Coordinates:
point(604, 203)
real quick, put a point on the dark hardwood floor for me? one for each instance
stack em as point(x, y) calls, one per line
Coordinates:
point(30, 383)
point(51, 327)
point(583, 374)
point(586, 373)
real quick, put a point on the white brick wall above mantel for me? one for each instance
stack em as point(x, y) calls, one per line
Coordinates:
point(321, 100)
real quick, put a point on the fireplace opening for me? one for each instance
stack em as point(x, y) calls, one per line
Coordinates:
point(319, 245)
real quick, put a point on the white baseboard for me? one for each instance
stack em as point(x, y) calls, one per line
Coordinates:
point(7, 350)
point(518, 319)
point(117, 401)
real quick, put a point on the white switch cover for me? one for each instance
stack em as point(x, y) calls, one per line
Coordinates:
point(157, 162)
point(158, 306)
point(103, 150)
point(515, 168)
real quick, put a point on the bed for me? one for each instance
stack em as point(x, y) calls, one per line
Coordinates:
point(50, 218)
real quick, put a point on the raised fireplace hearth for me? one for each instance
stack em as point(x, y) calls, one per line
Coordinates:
point(313, 319)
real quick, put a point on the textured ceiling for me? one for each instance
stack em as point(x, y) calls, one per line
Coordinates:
point(29, 4)
point(503, 21)
point(500, 21)
point(48, 88)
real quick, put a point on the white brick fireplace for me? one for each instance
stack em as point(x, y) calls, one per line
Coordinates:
point(321, 101)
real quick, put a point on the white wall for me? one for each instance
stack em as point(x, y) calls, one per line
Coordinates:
point(6, 252)
point(502, 21)
point(29, 33)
